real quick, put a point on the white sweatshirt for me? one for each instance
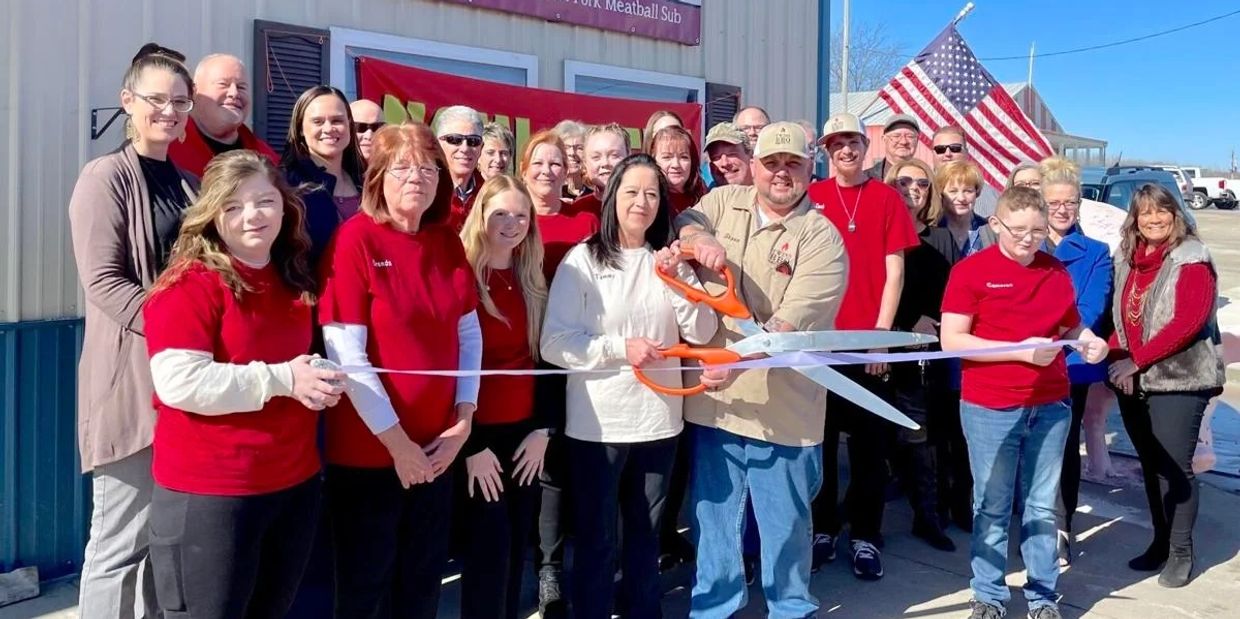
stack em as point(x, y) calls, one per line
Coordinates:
point(591, 311)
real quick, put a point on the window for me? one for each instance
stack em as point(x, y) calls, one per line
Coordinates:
point(475, 62)
point(610, 81)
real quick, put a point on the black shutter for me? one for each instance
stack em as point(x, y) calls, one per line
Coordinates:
point(288, 60)
point(722, 103)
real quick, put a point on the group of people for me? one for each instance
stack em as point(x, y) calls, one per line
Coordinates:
point(244, 308)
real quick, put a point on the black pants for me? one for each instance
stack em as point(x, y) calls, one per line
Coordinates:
point(912, 454)
point(868, 439)
point(552, 519)
point(1070, 477)
point(952, 452)
point(391, 544)
point(614, 482)
point(1163, 428)
point(494, 534)
point(231, 556)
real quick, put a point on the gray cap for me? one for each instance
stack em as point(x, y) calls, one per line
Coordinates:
point(901, 119)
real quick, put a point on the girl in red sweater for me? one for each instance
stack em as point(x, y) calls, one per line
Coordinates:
point(228, 326)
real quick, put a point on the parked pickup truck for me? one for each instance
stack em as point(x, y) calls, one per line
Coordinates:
point(1207, 190)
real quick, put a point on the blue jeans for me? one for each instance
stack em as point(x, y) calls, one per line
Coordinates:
point(1028, 440)
point(727, 469)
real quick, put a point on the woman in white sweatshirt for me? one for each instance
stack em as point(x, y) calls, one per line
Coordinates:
point(608, 310)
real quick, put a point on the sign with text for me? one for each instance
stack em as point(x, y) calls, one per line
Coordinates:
point(408, 93)
point(669, 20)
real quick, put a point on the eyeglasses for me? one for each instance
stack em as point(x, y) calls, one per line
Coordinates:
point(160, 102)
point(472, 140)
point(403, 173)
point(901, 136)
point(907, 181)
point(750, 128)
point(360, 128)
point(1029, 184)
point(1020, 233)
point(1069, 206)
point(943, 148)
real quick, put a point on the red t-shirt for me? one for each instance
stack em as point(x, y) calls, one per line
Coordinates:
point(683, 201)
point(560, 232)
point(245, 453)
point(410, 291)
point(882, 227)
point(591, 202)
point(1009, 303)
point(505, 399)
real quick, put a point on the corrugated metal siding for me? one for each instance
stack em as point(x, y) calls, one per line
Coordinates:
point(45, 117)
point(44, 500)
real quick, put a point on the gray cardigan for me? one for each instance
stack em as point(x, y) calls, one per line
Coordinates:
point(114, 244)
point(1199, 367)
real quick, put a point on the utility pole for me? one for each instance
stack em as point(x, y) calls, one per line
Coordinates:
point(844, 58)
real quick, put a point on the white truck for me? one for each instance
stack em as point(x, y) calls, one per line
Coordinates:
point(1211, 190)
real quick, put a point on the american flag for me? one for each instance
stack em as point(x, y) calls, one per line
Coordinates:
point(946, 85)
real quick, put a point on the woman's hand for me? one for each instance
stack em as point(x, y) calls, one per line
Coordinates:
point(641, 350)
point(1122, 374)
point(411, 463)
point(483, 468)
point(926, 326)
point(1094, 350)
point(444, 449)
point(669, 258)
point(877, 369)
point(1040, 356)
point(315, 388)
point(530, 456)
point(715, 378)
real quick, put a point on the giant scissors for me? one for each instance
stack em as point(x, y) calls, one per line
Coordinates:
point(758, 341)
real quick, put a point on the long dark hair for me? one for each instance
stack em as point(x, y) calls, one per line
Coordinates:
point(295, 148)
point(1160, 198)
point(605, 244)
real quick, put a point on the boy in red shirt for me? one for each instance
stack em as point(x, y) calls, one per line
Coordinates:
point(1014, 406)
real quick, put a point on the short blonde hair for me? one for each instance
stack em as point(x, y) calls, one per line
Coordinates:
point(1019, 199)
point(960, 171)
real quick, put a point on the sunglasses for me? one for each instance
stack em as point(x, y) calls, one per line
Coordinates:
point(473, 140)
point(943, 148)
point(360, 128)
point(906, 181)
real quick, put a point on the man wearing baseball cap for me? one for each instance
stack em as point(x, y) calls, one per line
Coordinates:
point(900, 136)
point(728, 154)
point(874, 222)
point(757, 434)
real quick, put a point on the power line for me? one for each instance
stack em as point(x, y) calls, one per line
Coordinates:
point(1117, 43)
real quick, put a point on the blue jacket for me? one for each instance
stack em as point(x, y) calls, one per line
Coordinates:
point(1089, 263)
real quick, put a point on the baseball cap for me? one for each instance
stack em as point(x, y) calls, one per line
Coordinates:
point(901, 119)
point(782, 137)
point(841, 123)
point(724, 132)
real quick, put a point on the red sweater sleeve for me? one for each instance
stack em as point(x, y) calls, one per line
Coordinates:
point(1194, 297)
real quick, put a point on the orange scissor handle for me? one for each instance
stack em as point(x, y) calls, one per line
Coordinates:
point(708, 356)
point(726, 302)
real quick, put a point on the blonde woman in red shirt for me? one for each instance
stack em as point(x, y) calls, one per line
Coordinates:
point(236, 467)
point(505, 453)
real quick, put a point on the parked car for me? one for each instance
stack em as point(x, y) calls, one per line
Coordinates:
point(1183, 181)
point(1116, 185)
point(1216, 190)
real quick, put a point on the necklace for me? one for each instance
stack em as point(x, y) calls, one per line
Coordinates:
point(1136, 305)
point(500, 274)
point(852, 216)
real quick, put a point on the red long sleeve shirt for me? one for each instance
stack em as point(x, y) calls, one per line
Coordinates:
point(1194, 297)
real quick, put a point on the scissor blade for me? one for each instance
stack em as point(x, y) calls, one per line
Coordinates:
point(816, 341)
point(833, 381)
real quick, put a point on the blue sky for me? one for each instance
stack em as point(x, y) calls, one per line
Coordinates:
point(1174, 98)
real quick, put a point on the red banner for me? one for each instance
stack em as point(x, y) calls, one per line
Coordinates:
point(669, 20)
point(407, 93)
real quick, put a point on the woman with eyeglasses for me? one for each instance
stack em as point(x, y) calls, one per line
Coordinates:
point(924, 458)
point(573, 134)
point(1026, 175)
point(322, 158)
point(1168, 366)
point(398, 292)
point(124, 216)
point(498, 145)
point(459, 131)
point(1089, 263)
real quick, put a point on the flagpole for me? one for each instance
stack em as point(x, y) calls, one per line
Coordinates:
point(968, 8)
point(844, 59)
point(1032, 45)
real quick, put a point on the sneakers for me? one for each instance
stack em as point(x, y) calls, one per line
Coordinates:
point(1065, 548)
point(551, 604)
point(1049, 611)
point(867, 562)
point(823, 549)
point(982, 610)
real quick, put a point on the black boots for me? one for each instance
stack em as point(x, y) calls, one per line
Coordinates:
point(1178, 571)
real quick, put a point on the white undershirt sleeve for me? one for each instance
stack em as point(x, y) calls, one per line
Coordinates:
point(346, 345)
point(192, 381)
point(469, 331)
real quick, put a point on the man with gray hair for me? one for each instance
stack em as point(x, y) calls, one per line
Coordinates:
point(459, 130)
point(217, 122)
